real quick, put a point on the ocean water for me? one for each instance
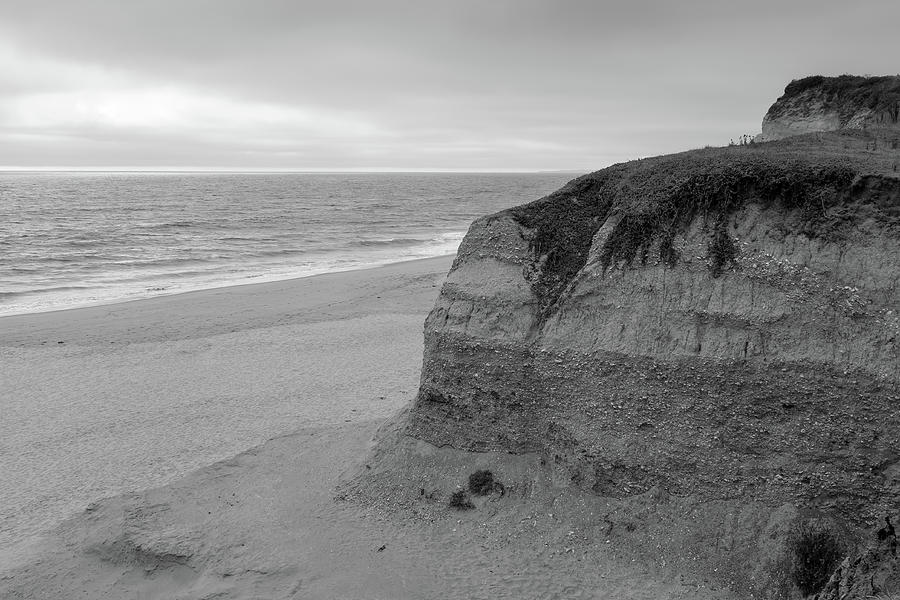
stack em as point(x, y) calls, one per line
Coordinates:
point(74, 239)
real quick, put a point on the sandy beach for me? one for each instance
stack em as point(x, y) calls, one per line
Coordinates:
point(107, 399)
point(256, 414)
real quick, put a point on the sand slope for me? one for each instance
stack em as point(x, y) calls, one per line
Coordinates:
point(266, 524)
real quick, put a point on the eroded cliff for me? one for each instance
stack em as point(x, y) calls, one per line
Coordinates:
point(817, 104)
point(721, 325)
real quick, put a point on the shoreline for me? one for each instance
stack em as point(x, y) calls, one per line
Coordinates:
point(240, 283)
point(245, 296)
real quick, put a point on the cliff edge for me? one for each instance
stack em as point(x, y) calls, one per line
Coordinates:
point(711, 336)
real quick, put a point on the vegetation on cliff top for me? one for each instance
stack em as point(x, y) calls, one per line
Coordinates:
point(847, 93)
point(564, 224)
point(658, 198)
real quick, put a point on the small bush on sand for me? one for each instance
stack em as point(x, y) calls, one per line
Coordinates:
point(481, 483)
point(460, 500)
point(815, 553)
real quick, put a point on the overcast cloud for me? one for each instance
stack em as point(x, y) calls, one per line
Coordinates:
point(493, 84)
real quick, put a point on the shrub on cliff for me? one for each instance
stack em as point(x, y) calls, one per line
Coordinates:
point(653, 201)
point(481, 483)
point(815, 553)
point(460, 500)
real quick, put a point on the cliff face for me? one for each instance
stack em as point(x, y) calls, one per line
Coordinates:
point(709, 340)
point(817, 104)
point(866, 574)
point(723, 323)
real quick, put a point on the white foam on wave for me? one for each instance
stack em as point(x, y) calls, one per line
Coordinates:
point(113, 288)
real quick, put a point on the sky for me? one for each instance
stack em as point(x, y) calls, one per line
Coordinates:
point(371, 85)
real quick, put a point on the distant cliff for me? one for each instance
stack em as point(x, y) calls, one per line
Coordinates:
point(721, 326)
point(816, 104)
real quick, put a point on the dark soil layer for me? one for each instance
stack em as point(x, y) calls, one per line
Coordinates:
point(818, 176)
point(621, 425)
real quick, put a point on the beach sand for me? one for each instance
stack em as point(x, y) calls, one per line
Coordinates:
point(314, 512)
point(107, 399)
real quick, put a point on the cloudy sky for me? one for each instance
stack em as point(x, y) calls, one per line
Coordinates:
point(409, 85)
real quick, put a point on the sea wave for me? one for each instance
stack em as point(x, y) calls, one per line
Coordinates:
point(389, 242)
point(42, 290)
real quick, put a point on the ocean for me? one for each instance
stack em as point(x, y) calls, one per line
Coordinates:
point(74, 239)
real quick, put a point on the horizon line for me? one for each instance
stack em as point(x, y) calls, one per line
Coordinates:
point(60, 169)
